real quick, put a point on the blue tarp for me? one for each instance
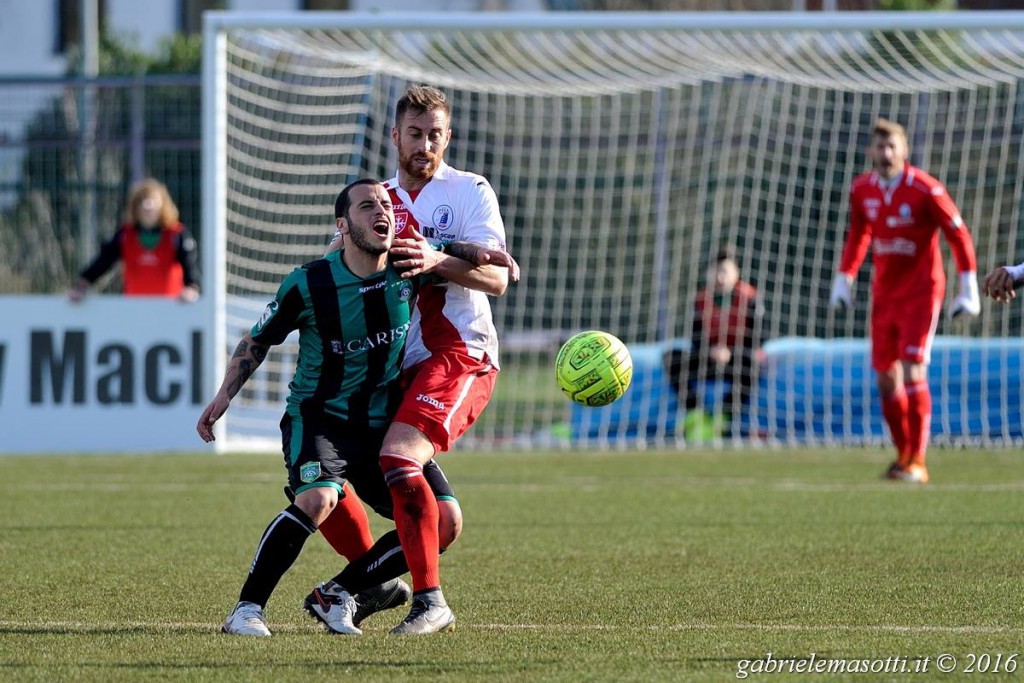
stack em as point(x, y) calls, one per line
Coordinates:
point(814, 389)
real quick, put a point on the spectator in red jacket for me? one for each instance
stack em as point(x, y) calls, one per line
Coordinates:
point(157, 254)
point(724, 340)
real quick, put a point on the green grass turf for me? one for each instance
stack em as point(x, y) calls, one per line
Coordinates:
point(572, 567)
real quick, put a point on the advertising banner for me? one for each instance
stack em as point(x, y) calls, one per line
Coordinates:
point(110, 374)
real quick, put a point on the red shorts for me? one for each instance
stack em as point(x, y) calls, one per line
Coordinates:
point(444, 395)
point(903, 332)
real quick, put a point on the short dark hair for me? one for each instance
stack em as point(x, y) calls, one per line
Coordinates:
point(886, 129)
point(344, 202)
point(422, 98)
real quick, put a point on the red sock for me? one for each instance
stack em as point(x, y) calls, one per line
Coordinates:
point(347, 529)
point(895, 409)
point(919, 420)
point(416, 518)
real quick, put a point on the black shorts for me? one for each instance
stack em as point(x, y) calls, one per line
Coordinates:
point(321, 450)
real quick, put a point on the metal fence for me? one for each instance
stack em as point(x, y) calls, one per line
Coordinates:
point(69, 150)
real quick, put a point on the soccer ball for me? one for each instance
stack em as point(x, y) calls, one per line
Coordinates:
point(593, 368)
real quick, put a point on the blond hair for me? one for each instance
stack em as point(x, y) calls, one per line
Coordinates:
point(148, 188)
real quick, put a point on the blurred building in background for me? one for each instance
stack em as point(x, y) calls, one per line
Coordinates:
point(36, 37)
point(70, 146)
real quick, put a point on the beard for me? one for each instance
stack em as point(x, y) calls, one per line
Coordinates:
point(409, 165)
point(887, 171)
point(362, 242)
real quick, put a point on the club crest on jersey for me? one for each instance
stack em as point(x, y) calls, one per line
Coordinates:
point(309, 472)
point(401, 220)
point(905, 217)
point(405, 293)
point(443, 217)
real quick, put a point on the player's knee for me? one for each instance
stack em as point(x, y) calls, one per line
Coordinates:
point(915, 372)
point(449, 523)
point(317, 502)
point(888, 382)
point(407, 440)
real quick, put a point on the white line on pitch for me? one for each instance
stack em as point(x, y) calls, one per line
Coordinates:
point(298, 628)
point(824, 628)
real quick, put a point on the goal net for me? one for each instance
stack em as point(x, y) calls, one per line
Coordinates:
point(625, 149)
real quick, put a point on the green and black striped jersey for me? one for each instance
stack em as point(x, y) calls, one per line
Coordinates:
point(352, 334)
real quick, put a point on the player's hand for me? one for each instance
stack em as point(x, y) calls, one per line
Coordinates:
point(485, 256)
point(967, 301)
point(841, 296)
point(213, 412)
point(720, 354)
point(413, 255)
point(999, 285)
point(77, 291)
point(189, 295)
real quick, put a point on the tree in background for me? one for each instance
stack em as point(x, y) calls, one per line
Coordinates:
point(147, 123)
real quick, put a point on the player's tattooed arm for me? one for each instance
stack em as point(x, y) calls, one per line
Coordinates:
point(248, 356)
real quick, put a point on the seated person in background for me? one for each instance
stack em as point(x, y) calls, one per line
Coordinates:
point(157, 254)
point(725, 338)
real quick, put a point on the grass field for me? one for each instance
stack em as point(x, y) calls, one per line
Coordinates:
point(643, 566)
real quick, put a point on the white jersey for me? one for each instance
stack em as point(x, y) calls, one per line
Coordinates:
point(455, 206)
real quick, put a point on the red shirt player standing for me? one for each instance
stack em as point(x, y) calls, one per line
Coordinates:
point(898, 210)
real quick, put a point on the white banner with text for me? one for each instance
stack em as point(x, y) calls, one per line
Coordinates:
point(110, 374)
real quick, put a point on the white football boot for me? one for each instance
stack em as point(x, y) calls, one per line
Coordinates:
point(429, 614)
point(331, 605)
point(246, 620)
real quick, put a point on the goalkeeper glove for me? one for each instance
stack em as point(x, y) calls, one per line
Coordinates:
point(841, 296)
point(967, 299)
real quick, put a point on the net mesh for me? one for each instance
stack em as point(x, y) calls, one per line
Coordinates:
point(622, 160)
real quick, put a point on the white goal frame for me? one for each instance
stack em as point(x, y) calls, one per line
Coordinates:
point(214, 165)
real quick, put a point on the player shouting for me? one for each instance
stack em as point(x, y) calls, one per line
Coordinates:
point(898, 210)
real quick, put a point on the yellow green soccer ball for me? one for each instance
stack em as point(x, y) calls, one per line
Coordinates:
point(594, 368)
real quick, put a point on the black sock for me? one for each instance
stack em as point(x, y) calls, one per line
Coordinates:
point(383, 562)
point(278, 549)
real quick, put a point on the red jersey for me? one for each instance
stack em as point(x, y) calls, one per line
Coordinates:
point(729, 325)
point(901, 223)
point(152, 272)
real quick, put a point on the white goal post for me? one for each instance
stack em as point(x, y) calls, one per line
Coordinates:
point(625, 149)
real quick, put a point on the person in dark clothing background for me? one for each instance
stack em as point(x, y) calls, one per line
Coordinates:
point(157, 253)
point(724, 340)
